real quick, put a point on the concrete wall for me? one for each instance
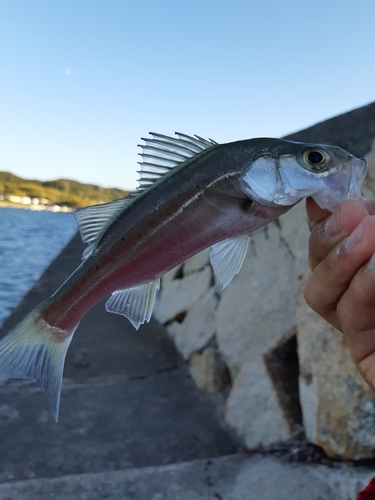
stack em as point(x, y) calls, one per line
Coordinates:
point(276, 366)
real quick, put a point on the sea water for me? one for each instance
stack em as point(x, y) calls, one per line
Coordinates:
point(29, 241)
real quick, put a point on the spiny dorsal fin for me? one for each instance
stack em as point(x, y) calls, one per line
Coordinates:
point(93, 221)
point(161, 154)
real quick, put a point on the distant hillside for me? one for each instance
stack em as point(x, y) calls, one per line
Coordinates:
point(59, 192)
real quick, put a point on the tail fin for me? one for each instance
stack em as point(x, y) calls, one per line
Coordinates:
point(34, 350)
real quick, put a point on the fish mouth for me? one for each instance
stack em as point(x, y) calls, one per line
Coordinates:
point(342, 185)
point(284, 183)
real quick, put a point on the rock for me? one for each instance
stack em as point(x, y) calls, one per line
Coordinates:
point(197, 262)
point(233, 477)
point(197, 327)
point(353, 131)
point(208, 371)
point(253, 320)
point(338, 407)
point(295, 233)
point(252, 408)
point(179, 295)
point(281, 362)
point(258, 308)
point(368, 187)
point(170, 276)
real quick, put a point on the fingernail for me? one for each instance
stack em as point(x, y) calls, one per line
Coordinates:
point(333, 225)
point(371, 262)
point(354, 239)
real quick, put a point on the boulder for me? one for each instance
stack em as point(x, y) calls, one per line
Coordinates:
point(338, 407)
point(253, 410)
point(170, 276)
point(258, 308)
point(178, 295)
point(197, 262)
point(197, 327)
point(295, 234)
point(368, 187)
point(208, 371)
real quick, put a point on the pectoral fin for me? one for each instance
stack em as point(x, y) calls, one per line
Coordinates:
point(227, 257)
point(136, 303)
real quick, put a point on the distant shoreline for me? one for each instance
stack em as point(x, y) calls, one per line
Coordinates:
point(37, 208)
point(56, 196)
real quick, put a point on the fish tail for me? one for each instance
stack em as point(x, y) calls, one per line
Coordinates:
point(36, 351)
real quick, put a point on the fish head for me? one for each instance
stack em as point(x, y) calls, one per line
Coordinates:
point(284, 174)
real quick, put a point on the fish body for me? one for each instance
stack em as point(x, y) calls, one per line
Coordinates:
point(193, 194)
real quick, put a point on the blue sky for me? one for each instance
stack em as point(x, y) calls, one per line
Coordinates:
point(83, 80)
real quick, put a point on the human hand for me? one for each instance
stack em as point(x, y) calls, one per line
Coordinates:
point(341, 287)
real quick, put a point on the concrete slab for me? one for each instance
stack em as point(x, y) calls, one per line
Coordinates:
point(225, 478)
point(127, 399)
point(353, 131)
point(107, 424)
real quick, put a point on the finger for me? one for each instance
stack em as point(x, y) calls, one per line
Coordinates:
point(315, 214)
point(331, 278)
point(356, 309)
point(329, 232)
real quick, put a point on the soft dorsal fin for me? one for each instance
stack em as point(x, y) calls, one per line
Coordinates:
point(227, 257)
point(161, 153)
point(93, 221)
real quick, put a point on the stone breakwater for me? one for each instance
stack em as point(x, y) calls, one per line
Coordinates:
point(274, 364)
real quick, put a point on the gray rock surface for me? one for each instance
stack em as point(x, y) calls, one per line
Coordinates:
point(197, 327)
point(369, 183)
point(256, 313)
point(337, 405)
point(236, 477)
point(295, 234)
point(252, 408)
point(259, 305)
point(180, 294)
point(197, 262)
point(353, 131)
point(208, 371)
point(170, 275)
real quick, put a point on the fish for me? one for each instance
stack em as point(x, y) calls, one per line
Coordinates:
point(193, 194)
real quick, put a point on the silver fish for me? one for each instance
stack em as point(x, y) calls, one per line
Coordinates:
point(193, 194)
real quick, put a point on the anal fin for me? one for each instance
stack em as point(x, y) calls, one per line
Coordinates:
point(136, 303)
point(227, 257)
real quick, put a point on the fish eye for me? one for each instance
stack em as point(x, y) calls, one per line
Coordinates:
point(316, 159)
